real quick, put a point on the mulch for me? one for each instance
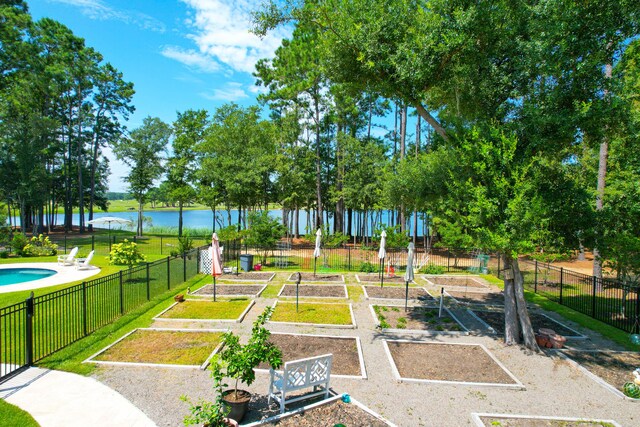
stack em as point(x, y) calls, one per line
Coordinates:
point(345, 351)
point(374, 278)
point(614, 367)
point(396, 292)
point(331, 414)
point(333, 291)
point(495, 319)
point(468, 282)
point(536, 422)
point(264, 276)
point(417, 318)
point(446, 362)
point(221, 289)
point(489, 298)
point(309, 277)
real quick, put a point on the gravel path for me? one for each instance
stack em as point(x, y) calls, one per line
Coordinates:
point(553, 387)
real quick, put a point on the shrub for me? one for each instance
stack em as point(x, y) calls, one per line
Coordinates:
point(4, 254)
point(432, 269)
point(367, 267)
point(18, 243)
point(335, 240)
point(40, 246)
point(185, 244)
point(126, 253)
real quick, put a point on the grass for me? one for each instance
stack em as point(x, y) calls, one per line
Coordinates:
point(163, 347)
point(225, 309)
point(12, 416)
point(318, 313)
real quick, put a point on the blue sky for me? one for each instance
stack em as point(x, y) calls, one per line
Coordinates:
point(179, 54)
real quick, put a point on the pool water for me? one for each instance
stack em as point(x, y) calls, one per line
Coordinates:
point(11, 276)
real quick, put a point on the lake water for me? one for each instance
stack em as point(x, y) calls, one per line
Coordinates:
point(204, 219)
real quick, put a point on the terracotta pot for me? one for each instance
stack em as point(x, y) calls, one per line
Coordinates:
point(557, 341)
point(179, 298)
point(542, 340)
point(237, 407)
point(546, 331)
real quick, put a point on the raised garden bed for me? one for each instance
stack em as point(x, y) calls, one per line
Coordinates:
point(509, 420)
point(423, 319)
point(347, 353)
point(612, 368)
point(228, 310)
point(374, 278)
point(231, 290)
point(468, 364)
point(495, 320)
point(263, 276)
point(163, 347)
point(309, 277)
point(484, 298)
point(317, 291)
point(317, 314)
point(394, 292)
point(456, 281)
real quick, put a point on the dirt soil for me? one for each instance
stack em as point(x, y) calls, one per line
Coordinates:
point(264, 276)
point(416, 318)
point(396, 292)
point(374, 278)
point(333, 291)
point(614, 368)
point(309, 277)
point(532, 422)
point(221, 289)
point(345, 351)
point(488, 298)
point(495, 319)
point(335, 413)
point(447, 362)
point(469, 282)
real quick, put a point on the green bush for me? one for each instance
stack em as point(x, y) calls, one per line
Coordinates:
point(18, 243)
point(432, 269)
point(40, 246)
point(367, 267)
point(4, 254)
point(126, 253)
point(185, 244)
point(335, 240)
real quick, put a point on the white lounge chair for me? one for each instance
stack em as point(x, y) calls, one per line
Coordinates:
point(84, 263)
point(69, 258)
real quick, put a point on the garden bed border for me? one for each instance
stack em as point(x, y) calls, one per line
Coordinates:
point(579, 336)
point(469, 303)
point(475, 417)
point(273, 274)
point(256, 295)
point(202, 367)
point(366, 295)
point(473, 277)
point(378, 281)
point(175, 319)
point(464, 331)
point(353, 324)
point(517, 386)
point(316, 282)
point(346, 293)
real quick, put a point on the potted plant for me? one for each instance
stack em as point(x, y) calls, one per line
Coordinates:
point(209, 414)
point(238, 361)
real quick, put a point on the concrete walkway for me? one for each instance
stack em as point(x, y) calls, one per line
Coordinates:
point(62, 399)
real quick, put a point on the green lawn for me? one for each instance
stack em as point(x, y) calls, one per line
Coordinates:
point(221, 309)
point(318, 313)
point(12, 416)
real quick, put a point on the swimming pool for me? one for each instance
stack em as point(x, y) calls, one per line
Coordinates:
point(11, 276)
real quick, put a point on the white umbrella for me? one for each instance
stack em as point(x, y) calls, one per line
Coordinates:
point(382, 253)
point(316, 251)
point(216, 261)
point(408, 275)
point(110, 220)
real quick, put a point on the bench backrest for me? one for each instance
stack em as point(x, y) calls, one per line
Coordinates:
point(309, 372)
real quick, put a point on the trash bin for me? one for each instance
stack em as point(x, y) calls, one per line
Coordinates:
point(246, 262)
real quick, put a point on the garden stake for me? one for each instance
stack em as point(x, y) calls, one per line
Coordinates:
point(382, 277)
point(441, 300)
point(214, 288)
point(297, 289)
point(406, 294)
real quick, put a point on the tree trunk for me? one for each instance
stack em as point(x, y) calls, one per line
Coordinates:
point(140, 216)
point(431, 120)
point(296, 224)
point(180, 204)
point(403, 140)
point(349, 220)
point(318, 222)
point(517, 325)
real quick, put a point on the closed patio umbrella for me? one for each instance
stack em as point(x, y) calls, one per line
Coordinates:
point(316, 251)
point(110, 220)
point(382, 253)
point(216, 261)
point(408, 275)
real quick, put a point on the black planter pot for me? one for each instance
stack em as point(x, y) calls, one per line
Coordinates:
point(237, 407)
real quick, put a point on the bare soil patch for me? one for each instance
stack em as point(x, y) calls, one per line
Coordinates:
point(536, 422)
point(416, 318)
point(334, 413)
point(614, 367)
point(395, 292)
point(309, 277)
point(344, 350)
point(462, 281)
point(488, 298)
point(323, 291)
point(263, 276)
point(495, 319)
point(374, 278)
point(446, 362)
point(230, 290)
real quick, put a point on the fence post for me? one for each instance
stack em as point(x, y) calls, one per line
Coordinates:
point(93, 242)
point(197, 260)
point(593, 296)
point(184, 266)
point(148, 288)
point(561, 279)
point(65, 243)
point(448, 260)
point(499, 257)
point(535, 278)
point(28, 341)
point(160, 245)
point(121, 295)
point(84, 308)
point(636, 327)
point(349, 253)
point(168, 272)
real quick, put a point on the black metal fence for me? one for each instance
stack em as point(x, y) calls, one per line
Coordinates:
point(39, 326)
point(101, 244)
point(607, 300)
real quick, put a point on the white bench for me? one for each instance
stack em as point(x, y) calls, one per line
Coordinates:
point(298, 375)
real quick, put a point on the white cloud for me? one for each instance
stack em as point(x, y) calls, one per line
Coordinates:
point(230, 93)
point(258, 89)
point(191, 59)
point(98, 10)
point(221, 30)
